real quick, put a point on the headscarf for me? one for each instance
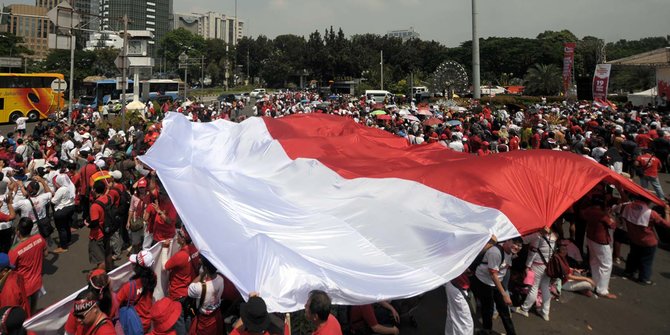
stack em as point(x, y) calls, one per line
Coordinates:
point(63, 180)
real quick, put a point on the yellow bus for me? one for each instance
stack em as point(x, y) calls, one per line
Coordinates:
point(30, 95)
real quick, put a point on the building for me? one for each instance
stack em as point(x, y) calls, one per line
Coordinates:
point(211, 25)
point(190, 22)
point(154, 16)
point(104, 39)
point(88, 11)
point(403, 34)
point(30, 23)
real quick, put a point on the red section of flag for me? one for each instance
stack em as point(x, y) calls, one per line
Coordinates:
point(532, 188)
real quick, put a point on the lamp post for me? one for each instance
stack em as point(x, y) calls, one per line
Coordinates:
point(183, 59)
point(476, 88)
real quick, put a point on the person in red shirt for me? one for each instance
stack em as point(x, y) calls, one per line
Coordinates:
point(514, 142)
point(459, 318)
point(484, 150)
point(28, 256)
point(93, 320)
point(99, 250)
point(145, 282)
point(362, 317)
point(536, 139)
point(83, 187)
point(643, 139)
point(598, 226)
point(164, 216)
point(13, 292)
point(317, 311)
point(183, 267)
point(11, 320)
point(98, 281)
point(650, 165)
point(640, 222)
point(164, 315)
point(254, 318)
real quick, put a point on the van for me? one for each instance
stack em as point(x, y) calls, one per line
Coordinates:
point(378, 95)
point(419, 89)
point(257, 93)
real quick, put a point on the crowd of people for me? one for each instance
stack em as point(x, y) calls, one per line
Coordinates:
point(84, 176)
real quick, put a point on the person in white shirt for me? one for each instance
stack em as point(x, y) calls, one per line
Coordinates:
point(63, 201)
point(21, 125)
point(66, 147)
point(456, 144)
point(32, 198)
point(212, 298)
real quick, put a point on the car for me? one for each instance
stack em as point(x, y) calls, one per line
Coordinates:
point(227, 97)
point(258, 92)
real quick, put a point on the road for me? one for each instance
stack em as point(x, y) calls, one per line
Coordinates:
point(639, 309)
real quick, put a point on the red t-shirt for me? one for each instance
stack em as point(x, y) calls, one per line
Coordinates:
point(643, 140)
point(650, 164)
point(27, 257)
point(645, 236)
point(362, 316)
point(161, 229)
point(97, 213)
point(598, 222)
point(142, 303)
point(514, 143)
point(84, 174)
point(13, 292)
point(75, 327)
point(330, 327)
point(183, 267)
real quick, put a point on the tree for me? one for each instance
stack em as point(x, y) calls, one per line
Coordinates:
point(180, 40)
point(12, 46)
point(543, 79)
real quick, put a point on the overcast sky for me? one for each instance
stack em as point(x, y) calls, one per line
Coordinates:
point(447, 21)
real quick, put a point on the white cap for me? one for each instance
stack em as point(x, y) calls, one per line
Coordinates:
point(116, 174)
point(143, 258)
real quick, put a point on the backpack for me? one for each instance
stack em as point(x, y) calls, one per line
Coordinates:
point(128, 317)
point(557, 267)
point(480, 259)
point(124, 201)
point(113, 219)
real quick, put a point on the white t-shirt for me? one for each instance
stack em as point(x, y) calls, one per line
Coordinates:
point(491, 261)
point(456, 146)
point(65, 149)
point(21, 123)
point(40, 202)
point(62, 198)
point(212, 294)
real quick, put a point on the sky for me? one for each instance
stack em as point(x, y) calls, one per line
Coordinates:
point(446, 21)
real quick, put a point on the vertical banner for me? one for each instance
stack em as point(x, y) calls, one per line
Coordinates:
point(568, 61)
point(601, 79)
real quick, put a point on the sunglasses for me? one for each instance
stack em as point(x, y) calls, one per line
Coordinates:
point(83, 315)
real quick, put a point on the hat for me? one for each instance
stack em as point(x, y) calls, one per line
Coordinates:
point(4, 261)
point(98, 273)
point(143, 258)
point(90, 159)
point(100, 163)
point(164, 314)
point(116, 174)
point(142, 183)
point(254, 314)
point(12, 318)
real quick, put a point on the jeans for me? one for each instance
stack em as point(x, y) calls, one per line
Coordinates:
point(655, 184)
point(640, 259)
point(183, 324)
point(487, 295)
point(62, 219)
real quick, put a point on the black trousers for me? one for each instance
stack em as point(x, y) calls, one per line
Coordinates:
point(6, 237)
point(487, 295)
point(63, 220)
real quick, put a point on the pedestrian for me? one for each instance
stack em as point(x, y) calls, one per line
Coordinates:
point(99, 250)
point(487, 283)
point(64, 208)
point(459, 318)
point(144, 281)
point(317, 311)
point(183, 268)
point(542, 247)
point(207, 291)
point(254, 318)
point(649, 166)
point(13, 292)
point(7, 215)
point(28, 256)
point(599, 242)
point(640, 222)
point(93, 320)
point(12, 319)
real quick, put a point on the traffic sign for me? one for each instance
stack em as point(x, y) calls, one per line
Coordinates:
point(120, 64)
point(64, 15)
point(59, 85)
point(11, 62)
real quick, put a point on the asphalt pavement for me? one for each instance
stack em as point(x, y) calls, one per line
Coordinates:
point(638, 310)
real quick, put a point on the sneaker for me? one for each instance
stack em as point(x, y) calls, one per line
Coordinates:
point(520, 310)
point(545, 317)
point(647, 283)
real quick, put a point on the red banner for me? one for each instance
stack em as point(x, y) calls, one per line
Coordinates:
point(568, 61)
point(601, 79)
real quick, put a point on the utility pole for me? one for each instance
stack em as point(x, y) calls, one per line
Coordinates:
point(382, 68)
point(248, 81)
point(476, 86)
point(125, 70)
point(202, 72)
point(71, 93)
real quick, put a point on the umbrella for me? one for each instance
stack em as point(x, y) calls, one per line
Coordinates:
point(403, 111)
point(432, 121)
point(305, 101)
point(383, 117)
point(411, 117)
point(424, 111)
point(454, 123)
point(378, 112)
point(378, 106)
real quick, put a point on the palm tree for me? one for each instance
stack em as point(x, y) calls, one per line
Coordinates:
point(543, 79)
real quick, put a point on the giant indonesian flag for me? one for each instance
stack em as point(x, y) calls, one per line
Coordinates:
point(285, 206)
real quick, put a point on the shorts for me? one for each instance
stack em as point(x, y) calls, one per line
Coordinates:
point(96, 251)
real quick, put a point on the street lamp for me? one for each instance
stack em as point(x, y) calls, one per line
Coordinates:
point(183, 59)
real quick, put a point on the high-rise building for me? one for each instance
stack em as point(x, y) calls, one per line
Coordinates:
point(151, 15)
point(211, 25)
point(30, 23)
